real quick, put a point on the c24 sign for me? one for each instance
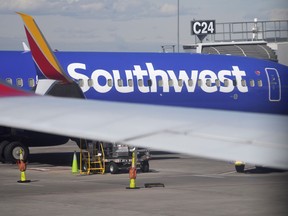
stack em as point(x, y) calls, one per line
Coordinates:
point(203, 27)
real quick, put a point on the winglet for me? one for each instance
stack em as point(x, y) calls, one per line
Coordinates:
point(42, 54)
point(25, 47)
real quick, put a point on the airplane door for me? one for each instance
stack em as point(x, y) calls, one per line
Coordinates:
point(274, 84)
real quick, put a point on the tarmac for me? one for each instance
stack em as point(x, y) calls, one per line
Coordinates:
point(192, 186)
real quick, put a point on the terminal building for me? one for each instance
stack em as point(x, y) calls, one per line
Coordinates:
point(259, 39)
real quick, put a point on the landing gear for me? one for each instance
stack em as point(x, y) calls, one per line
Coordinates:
point(10, 151)
point(3, 145)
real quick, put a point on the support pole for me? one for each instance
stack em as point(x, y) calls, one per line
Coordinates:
point(178, 27)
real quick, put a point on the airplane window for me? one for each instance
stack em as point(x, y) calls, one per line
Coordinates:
point(252, 83)
point(226, 82)
point(160, 83)
point(19, 82)
point(110, 83)
point(31, 82)
point(199, 82)
point(259, 83)
point(243, 83)
point(90, 82)
point(80, 82)
point(130, 82)
point(140, 82)
point(170, 82)
point(234, 83)
point(180, 82)
point(120, 82)
point(190, 82)
point(9, 80)
point(208, 82)
point(217, 81)
point(149, 82)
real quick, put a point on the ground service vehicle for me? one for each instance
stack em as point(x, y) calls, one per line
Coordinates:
point(101, 157)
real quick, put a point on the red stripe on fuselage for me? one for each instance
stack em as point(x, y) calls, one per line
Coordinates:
point(44, 65)
point(8, 91)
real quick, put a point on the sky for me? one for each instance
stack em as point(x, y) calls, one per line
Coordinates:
point(124, 25)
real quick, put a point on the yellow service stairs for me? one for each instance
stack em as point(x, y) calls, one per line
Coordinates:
point(92, 158)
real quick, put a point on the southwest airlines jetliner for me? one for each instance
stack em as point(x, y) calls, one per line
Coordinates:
point(241, 103)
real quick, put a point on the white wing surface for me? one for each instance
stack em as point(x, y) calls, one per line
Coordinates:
point(260, 139)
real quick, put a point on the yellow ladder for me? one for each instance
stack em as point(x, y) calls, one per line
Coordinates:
point(98, 163)
point(92, 159)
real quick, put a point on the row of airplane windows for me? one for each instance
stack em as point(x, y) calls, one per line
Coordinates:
point(90, 82)
point(180, 82)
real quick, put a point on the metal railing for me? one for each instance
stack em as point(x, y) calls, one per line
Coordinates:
point(270, 31)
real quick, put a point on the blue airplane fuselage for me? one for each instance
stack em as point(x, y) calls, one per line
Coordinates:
point(187, 80)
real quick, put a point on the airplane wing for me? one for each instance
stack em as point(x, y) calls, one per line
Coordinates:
point(254, 138)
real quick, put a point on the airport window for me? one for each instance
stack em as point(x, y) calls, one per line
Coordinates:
point(80, 82)
point(110, 83)
point(259, 83)
point(170, 82)
point(31, 82)
point(226, 82)
point(120, 82)
point(190, 82)
point(19, 82)
point(217, 81)
point(149, 82)
point(90, 82)
point(130, 82)
point(252, 83)
point(160, 83)
point(180, 82)
point(208, 82)
point(9, 80)
point(140, 82)
point(243, 83)
point(199, 82)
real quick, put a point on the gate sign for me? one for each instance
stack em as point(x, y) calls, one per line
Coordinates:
point(203, 27)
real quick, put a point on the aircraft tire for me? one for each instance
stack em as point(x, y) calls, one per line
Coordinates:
point(12, 152)
point(113, 168)
point(3, 145)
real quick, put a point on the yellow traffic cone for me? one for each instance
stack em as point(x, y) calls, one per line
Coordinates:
point(75, 164)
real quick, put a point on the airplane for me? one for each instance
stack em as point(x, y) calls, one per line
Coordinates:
point(175, 82)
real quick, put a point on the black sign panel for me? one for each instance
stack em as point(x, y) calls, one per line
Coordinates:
point(203, 27)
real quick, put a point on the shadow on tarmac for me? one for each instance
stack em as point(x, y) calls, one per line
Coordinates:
point(54, 159)
point(162, 155)
point(264, 170)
